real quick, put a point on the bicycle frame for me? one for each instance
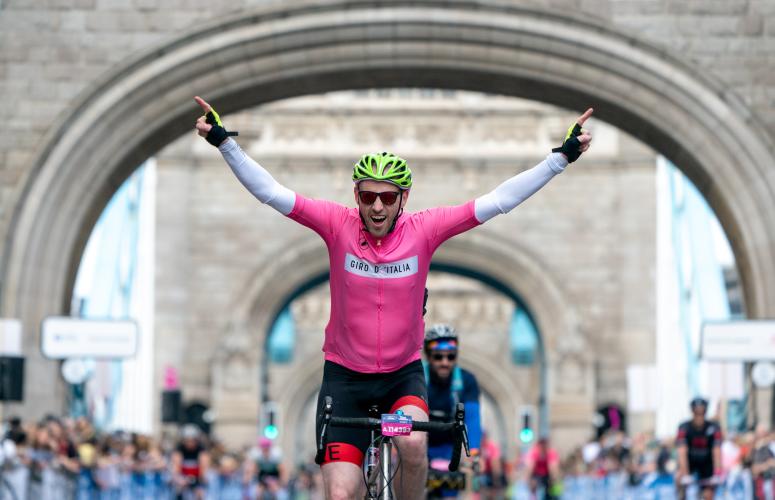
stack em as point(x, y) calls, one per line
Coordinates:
point(378, 484)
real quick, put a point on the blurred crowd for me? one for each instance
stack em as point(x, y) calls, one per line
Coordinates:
point(618, 466)
point(64, 458)
point(61, 458)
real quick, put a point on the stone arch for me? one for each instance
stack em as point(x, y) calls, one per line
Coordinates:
point(278, 51)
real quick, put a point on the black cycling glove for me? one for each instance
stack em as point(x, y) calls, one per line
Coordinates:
point(570, 146)
point(217, 133)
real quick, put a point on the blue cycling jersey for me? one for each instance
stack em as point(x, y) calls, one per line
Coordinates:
point(442, 398)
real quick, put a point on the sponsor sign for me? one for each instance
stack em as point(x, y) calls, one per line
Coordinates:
point(63, 337)
point(738, 341)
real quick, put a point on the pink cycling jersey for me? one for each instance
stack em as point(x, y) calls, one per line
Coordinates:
point(378, 286)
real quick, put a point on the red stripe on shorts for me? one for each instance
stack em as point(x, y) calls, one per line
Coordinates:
point(410, 401)
point(343, 452)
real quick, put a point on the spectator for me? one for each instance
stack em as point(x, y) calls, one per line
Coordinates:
point(763, 466)
point(228, 482)
point(13, 458)
point(148, 467)
point(108, 473)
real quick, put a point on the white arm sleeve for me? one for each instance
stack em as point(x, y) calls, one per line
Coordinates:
point(258, 181)
point(514, 191)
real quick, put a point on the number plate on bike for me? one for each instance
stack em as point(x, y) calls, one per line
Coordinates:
point(396, 425)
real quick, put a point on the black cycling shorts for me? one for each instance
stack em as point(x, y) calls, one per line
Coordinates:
point(353, 393)
point(703, 468)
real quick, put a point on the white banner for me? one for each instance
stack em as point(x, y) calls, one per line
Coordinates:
point(642, 388)
point(63, 338)
point(10, 337)
point(738, 341)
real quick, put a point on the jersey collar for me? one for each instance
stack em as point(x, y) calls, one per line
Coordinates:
point(380, 244)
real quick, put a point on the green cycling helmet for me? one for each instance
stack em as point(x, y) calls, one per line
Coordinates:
point(383, 167)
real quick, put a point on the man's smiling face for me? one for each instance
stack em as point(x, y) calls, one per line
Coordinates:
point(379, 215)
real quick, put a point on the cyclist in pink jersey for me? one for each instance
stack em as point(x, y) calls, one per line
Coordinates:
point(379, 259)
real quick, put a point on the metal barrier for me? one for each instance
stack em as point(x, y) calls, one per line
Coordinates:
point(737, 486)
point(14, 483)
point(19, 483)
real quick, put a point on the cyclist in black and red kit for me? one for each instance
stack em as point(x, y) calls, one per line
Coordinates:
point(190, 462)
point(699, 451)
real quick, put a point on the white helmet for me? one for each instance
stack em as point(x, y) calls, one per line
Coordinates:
point(440, 331)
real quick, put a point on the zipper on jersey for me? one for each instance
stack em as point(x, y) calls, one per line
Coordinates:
point(376, 247)
point(379, 327)
point(379, 309)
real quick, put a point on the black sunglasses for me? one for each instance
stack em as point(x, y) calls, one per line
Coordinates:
point(438, 356)
point(387, 197)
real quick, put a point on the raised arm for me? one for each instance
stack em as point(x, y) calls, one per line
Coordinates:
point(514, 191)
point(252, 175)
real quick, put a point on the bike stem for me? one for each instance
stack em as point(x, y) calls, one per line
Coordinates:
point(386, 457)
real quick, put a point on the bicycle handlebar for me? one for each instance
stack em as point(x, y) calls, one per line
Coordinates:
point(456, 428)
point(376, 424)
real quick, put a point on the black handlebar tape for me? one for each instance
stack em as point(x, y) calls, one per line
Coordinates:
point(357, 423)
point(454, 462)
point(433, 426)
